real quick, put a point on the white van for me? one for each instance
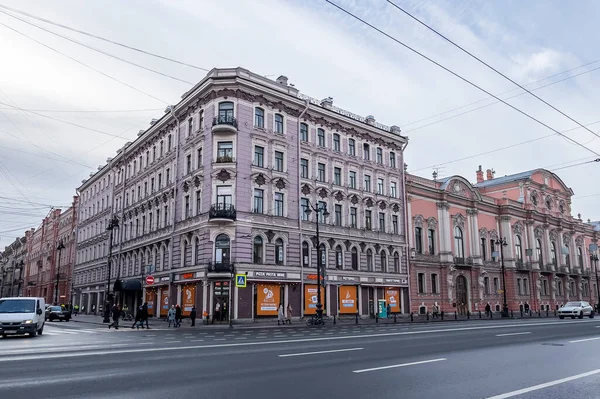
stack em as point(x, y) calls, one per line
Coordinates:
point(19, 316)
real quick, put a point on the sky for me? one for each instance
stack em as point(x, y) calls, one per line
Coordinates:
point(65, 108)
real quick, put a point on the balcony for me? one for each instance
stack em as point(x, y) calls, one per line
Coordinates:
point(562, 270)
point(222, 213)
point(463, 262)
point(225, 159)
point(522, 265)
point(220, 267)
point(224, 124)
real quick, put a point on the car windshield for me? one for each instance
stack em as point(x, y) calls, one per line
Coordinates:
point(55, 309)
point(573, 304)
point(17, 306)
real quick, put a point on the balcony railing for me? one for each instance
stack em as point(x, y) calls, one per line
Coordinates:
point(225, 159)
point(220, 267)
point(522, 265)
point(227, 121)
point(222, 211)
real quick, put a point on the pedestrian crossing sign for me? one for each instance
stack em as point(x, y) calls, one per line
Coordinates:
point(240, 280)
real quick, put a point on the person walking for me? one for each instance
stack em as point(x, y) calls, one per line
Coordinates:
point(171, 316)
point(138, 318)
point(145, 315)
point(280, 315)
point(288, 315)
point(178, 316)
point(193, 316)
point(116, 312)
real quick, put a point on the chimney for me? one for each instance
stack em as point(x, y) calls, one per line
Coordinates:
point(282, 80)
point(490, 174)
point(479, 175)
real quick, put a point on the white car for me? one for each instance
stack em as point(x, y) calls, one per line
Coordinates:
point(576, 309)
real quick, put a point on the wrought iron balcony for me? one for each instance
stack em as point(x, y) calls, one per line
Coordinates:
point(220, 267)
point(224, 123)
point(522, 265)
point(225, 159)
point(223, 212)
point(463, 261)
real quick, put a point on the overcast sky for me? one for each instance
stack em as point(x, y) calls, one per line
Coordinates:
point(324, 53)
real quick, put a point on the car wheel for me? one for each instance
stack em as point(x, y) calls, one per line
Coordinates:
point(581, 315)
point(592, 314)
point(33, 334)
point(561, 317)
point(40, 331)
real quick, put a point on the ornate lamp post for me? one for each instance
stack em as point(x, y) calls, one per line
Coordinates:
point(59, 248)
point(502, 243)
point(318, 211)
point(114, 223)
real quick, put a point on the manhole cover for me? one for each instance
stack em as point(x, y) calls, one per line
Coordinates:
point(551, 344)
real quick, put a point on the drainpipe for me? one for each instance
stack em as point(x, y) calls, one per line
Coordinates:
point(406, 232)
point(307, 102)
point(176, 175)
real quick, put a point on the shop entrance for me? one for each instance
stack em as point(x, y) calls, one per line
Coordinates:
point(220, 311)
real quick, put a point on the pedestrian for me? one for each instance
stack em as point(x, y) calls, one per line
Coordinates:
point(488, 310)
point(178, 316)
point(76, 309)
point(193, 316)
point(288, 315)
point(145, 315)
point(171, 316)
point(435, 311)
point(138, 319)
point(115, 316)
point(389, 310)
point(217, 314)
point(280, 315)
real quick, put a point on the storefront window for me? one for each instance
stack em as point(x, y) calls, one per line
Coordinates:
point(279, 251)
point(222, 249)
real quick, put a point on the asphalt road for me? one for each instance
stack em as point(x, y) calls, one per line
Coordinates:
point(479, 359)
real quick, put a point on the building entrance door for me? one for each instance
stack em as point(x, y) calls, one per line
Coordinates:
point(221, 301)
point(462, 300)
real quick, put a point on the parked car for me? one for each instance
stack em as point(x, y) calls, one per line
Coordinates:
point(21, 316)
point(57, 313)
point(576, 309)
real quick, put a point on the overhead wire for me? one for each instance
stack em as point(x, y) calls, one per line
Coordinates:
point(459, 76)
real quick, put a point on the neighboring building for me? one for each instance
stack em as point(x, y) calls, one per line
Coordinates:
point(12, 262)
point(456, 263)
point(220, 182)
point(46, 273)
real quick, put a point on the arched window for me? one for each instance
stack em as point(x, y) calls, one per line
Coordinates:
point(579, 257)
point(257, 250)
point(323, 254)
point(222, 249)
point(184, 247)
point(553, 253)
point(538, 248)
point(226, 112)
point(278, 127)
point(279, 251)
point(518, 247)
point(339, 258)
point(259, 117)
point(369, 260)
point(354, 253)
point(305, 254)
point(303, 132)
point(383, 259)
point(396, 262)
point(459, 245)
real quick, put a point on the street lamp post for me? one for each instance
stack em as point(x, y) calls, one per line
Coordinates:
point(594, 259)
point(502, 243)
point(318, 210)
point(114, 223)
point(60, 247)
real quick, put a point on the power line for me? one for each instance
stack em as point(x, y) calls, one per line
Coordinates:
point(105, 39)
point(89, 110)
point(84, 64)
point(491, 67)
point(578, 164)
point(98, 50)
point(459, 76)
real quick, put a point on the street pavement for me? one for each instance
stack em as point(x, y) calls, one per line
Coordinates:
point(529, 358)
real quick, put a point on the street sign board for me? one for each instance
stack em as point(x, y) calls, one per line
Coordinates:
point(149, 280)
point(240, 280)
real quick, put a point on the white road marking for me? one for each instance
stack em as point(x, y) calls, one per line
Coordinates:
point(321, 352)
point(544, 385)
point(584, 340)
point(400, 365)
point(172, 342)
point(197, 340)
point(509, 334)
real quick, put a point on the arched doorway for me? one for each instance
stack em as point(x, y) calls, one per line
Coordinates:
point(462, 299)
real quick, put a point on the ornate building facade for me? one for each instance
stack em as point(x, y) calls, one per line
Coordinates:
point(12, 263)
point(455, 230)
point(221, 183)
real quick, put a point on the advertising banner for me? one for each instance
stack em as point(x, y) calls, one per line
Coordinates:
point(267, 299)
point(164, 303)
point(188, 298)
point(348, 299)
point(392, 298)
point(310, 299)
point(150, 298)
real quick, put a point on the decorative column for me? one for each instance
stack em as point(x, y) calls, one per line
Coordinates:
point(560, 244)
point(409, 233)
point(506, 232)
point(546, 248)
point(445, 231)
point(573, 254)
point(531, 244)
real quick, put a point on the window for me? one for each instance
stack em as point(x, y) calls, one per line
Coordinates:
point(278, 161)
point(190, 126)
point(257, 250)
point(518, 248)
point(353, 218)
point(320, 215)
point(153, 153)
point(351, 147)
point(278, 210)
point(369, 260)
point(395, 224)
point(559, 287)
point(538, 249)
point(224, 151)
point(224, 197)
point(259, 118)
point(259, 156)
point(396, 262)
point(162, 150)
point(304, 168)
point(321, 137)
point(134, 167)
point(434, 284)
point(382, 222)
point(421, 283)
point(459, 245)
point(367, 186)
point(352, 179)
point(198, 202)
point(383, 261)
point(419, 240)
point(336, 142)
point(354, 259)
point(199, 158)
point(152, 184)
point(494, 254)
point(187, 209)
point(339, 258)
point(166, 215)
point(321, 172)
point(226, 112)
point(279, 251)
point(366, 152)
point(544, 287)
point(305, 254)
point(496, 285)
point(278, 124)
point(393, 189)
point(379, 155)
point(368, 225)
point(486, 285)
point(483, 248)
point(147, 159)
point(392, 159)
point(337, 176)
point(159, 181)
point(431, 241)
point(323, 254)
point(338, 214)
point(519, 286)
point(553, 253)
point(222, 249)
point(258, 200)
point(579, 257)
point(525, 287)
point(303, 132)
point(303, 208)
point(380, 186)
point(169, 142)
point(188, 164)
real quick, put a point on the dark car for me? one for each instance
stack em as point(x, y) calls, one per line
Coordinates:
point(57, 313)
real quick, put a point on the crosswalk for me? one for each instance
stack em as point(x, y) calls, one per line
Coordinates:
point(54, 331)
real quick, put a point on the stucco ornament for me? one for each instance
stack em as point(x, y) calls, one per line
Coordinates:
point(481, 285)
point(538, 289)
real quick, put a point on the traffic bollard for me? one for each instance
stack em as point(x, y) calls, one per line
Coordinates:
point(376, 318)
point(334, 319)
point(521, 313)
point(546, 312)
point(394, 317)
point(512, 315)
point(455, 315)
point(442, 315)
point(480, 314)
point(357, 318)
point(468, 315)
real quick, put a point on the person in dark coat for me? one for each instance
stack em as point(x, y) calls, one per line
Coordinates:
point(138, 318)
point(116, 312)
point(177, 316)
point(193, 316)
point(145, 314)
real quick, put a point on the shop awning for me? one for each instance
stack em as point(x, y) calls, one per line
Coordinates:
point(128, 285)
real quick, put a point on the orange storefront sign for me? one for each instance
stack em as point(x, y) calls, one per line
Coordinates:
point(310, 299)
point(150, 299)
point(267, 299)
point(348, 299)
point(164, 303)
point(392, 298)
point(188, 298)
